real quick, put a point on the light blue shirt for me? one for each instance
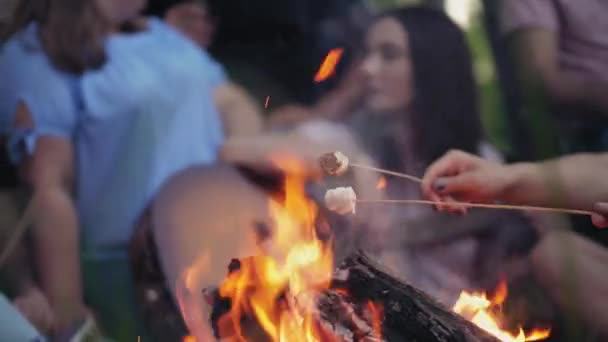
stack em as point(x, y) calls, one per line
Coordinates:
point(146, 114)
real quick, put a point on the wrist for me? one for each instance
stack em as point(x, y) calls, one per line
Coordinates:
point(516, 177)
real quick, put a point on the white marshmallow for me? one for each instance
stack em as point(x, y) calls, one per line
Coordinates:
point(341, 200)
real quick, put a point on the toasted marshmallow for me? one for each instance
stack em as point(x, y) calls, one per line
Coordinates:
point(335, 163)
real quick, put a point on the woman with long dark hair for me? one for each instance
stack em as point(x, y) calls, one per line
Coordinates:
point(420, 101)
point(419, 87)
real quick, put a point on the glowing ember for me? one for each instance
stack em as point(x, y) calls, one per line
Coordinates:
point(297, 264)
point(328, 67)
point(376, 311)
point(381, 185)
point(477, 308)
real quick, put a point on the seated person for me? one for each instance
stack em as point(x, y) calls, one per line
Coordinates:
point(193, 19)
point(561, 51)
point(102, 105)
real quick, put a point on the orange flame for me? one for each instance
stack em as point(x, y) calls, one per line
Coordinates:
point(500, 293)
point(295, 264)
point(328, 67)
point(189, 338)
point(381, 185)
point(538, 334)
point(477, 308)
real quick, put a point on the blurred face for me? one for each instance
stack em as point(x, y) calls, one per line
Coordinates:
point(120, 11)
point(388, 67)
point(193, 20)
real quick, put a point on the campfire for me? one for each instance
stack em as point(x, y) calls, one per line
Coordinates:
point(291, 291)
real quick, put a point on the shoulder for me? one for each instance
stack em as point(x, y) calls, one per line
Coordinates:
point(29, 76)
point(165, 31)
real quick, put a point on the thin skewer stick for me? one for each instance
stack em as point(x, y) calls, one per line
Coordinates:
point(387, 172)
point(481, 205)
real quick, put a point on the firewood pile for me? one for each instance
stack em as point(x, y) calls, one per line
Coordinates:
point(364, 303)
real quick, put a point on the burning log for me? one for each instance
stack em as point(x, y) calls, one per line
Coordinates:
point(364, 303)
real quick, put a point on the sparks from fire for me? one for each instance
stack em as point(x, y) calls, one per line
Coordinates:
point(479, 309)
point(328, 67)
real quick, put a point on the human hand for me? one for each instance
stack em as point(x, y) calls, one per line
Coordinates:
point(464, 177)
point(34, 306)
point(600, 217)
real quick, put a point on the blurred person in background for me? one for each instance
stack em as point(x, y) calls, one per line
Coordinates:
point(102, 105)
point(419, 101)
point(562, 257)
point(193, 18)
point(561, 52)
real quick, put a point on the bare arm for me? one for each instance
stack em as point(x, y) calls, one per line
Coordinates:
point(574, 181)
point(537, 55)
point(49, 173)
point(305, 144)
point(239, 112)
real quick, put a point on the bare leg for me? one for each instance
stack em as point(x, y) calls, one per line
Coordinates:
point(203, 219)
point(574, 271)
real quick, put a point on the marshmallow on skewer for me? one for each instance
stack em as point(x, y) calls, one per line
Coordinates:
point(341, 200)
point(335, 163)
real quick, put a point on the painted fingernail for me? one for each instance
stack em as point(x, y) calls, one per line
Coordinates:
point(439, 185)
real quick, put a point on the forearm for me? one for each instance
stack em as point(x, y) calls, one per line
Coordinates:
point(240, 114)
point(574, 181)
point(242, 119)
point(55, 240)
point(537, 58)
point(579, 92)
